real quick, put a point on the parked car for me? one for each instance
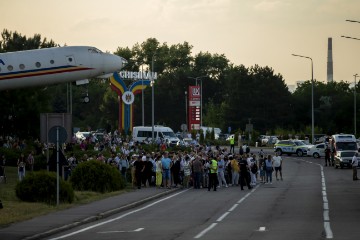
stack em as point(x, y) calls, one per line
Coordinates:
point(265, 140)
point(317, 150)
point(291, 147)
point(344, 158)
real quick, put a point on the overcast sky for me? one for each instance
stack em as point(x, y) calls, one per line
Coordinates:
point(248, 32)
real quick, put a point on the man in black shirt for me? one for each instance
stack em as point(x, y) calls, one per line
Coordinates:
point(244, 174)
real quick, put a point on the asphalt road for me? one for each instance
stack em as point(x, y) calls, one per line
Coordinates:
point(313, 202)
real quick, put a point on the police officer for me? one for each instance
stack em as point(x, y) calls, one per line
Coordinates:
point(213, 167)
point(232, 144)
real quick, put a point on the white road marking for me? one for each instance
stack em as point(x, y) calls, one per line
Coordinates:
point(327, 227)
point(117, 218)
point(225, 214)
point(328, 231)
point(262, 229)
point(233, 207)
point(136, 230)
point(205, 230)
point(222, 217)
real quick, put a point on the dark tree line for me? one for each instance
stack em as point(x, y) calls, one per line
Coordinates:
point(232, 94)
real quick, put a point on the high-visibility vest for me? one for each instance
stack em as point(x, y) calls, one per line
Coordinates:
point(232, 141)
point(213, 166)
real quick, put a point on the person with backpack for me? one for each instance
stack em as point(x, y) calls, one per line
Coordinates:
point(244, 173)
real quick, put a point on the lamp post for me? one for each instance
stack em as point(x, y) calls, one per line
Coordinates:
point(152, 97)
point(186, 113)
point(312, 96)
point(142, 99)
point(356, 75)
point(201, 96)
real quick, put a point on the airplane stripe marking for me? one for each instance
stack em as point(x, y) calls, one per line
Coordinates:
point(42, 72)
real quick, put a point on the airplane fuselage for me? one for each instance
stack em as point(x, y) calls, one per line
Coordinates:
point(55, 65)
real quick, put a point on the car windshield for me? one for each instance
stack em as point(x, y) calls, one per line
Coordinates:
point(347, 154)
point(343, 146)
point(299, 143)
point(169, 134)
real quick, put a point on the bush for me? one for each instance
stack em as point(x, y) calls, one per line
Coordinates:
point(96, 176)
point(11, 156)
point(41, 187)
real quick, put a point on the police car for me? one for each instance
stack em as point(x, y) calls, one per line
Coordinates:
point(291, 147)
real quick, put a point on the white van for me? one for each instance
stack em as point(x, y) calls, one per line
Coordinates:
point(217, 131)
point(144, 134)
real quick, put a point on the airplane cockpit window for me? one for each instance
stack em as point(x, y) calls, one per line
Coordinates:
point(22, 66)
point(37, 64)
point(52, 61)
point(94, 50)
point(10, 67)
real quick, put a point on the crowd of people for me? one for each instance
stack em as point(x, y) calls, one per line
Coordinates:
point(202, 166)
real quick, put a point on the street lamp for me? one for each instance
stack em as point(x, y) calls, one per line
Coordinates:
point(356, 75)
point(312, 96)
point(201, 96)
point(186, 113)
point(152, 97)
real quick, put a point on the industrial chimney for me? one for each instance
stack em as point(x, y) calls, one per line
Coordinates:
point(330, 71)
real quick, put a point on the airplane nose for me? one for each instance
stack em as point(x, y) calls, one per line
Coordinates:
point(115, 63)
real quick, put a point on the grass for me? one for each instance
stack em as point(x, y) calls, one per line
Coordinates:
point(16, 211)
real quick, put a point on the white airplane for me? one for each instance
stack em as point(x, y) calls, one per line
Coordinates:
point(56, 65)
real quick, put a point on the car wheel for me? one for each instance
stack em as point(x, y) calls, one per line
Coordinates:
point(299, 153)
point(316, 155)
point(279, 151)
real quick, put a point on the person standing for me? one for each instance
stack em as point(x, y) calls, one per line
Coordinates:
point(269, 169)
point(21, 167)
point(327, 155)
point(213, 168)
point(159, 171)
point(124, 165)
point(187, 172)
point(30, 161)
point(166, 165)
point(221, 171)
point(244, 174)
point(2, 168)
point(277, 161)
point(262, 168)
point(139, 169)
point(232, 144)
point(355, 163)
point(176, 170)
point(197, 168)
point(235, 171)
point(147, 174)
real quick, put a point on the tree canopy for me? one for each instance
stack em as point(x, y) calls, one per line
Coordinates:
point(232, 94)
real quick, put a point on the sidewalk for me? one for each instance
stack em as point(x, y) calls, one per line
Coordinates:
point(47, 225)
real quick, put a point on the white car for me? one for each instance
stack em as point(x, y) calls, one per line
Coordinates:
point(268, 140)
point(317, 150)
